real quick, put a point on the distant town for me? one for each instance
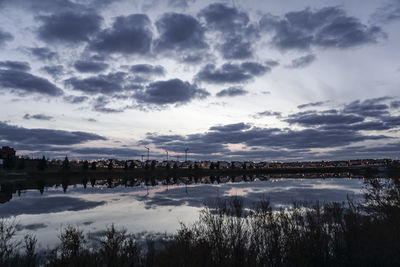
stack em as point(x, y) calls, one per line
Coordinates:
point(9, 160)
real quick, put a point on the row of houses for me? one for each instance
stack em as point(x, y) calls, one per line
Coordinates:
point(7, 152)
point(137, 164)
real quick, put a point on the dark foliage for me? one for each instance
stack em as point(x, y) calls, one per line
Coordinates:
point(93, 166)
point(21, 164)
point(42, 165)
point(85, 165)
point(65, 164)
point(9, 163)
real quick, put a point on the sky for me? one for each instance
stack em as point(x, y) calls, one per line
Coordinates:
point(227, 80)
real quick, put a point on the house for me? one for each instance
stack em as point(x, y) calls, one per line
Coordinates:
point(262, 165)
point(187, 165)
point(223, 165)
point(248, 165)
point(236, 165)
point(205, 164)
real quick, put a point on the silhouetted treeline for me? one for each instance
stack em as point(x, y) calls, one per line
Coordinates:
point(333, 234)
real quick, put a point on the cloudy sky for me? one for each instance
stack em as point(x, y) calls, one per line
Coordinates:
point(258, 79)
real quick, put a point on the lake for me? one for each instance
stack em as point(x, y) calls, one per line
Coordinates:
point(158, 208)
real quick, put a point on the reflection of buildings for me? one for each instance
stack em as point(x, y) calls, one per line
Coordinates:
point(7, 152)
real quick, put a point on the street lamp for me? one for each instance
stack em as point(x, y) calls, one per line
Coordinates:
point(186, 150)
point(167, 154)
point(148, 153)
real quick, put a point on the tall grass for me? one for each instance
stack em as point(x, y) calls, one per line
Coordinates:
point(334, 234)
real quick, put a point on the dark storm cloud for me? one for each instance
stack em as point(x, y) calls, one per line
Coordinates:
point(15, 65)
point(195, 147)
point(395, 104)
point(179, 32)
point(382, 151)
point(232, 91)
point(110, 152)
point(21, 135)
point(233, 25)
point(5, 37)
point(303, 61)
point(224, 18)
point(128, 35)
point(90, 66)
point(324, 129)
point(327, 27)
point(152, 137)
point(368, 108)
point(41, 117)
point(178, 144)
point(101, 103)
point(231, 73)
point(312, 104)
point(75, 99)
point(271, 154)
point(173, 91)
point(391, 121)
point(192, 58)
point(309, 138)
point(26, 83)
point(266, 138)
point(148, 69)
point(69, 27)
point(272, 63)
point(255, 68)
point(236, 48)
point(381, 124)
point(314, 118)
point(267, 113)
point(101, 84)
point(368, 115)
point(231, 127)
point(362, 126)
point(45, 5)
point(183, 4)
point(388, 12)
point(55, 71)
point(42, 53)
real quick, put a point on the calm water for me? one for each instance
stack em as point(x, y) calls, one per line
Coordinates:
point(157, 208)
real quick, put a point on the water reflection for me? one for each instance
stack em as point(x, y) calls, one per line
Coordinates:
point(150, 204)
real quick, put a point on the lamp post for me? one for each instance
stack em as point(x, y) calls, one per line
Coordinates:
point(167, 154)
point(186, 150)
point(148, 153)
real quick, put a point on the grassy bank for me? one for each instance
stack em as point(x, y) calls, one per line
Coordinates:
point(335, 234)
